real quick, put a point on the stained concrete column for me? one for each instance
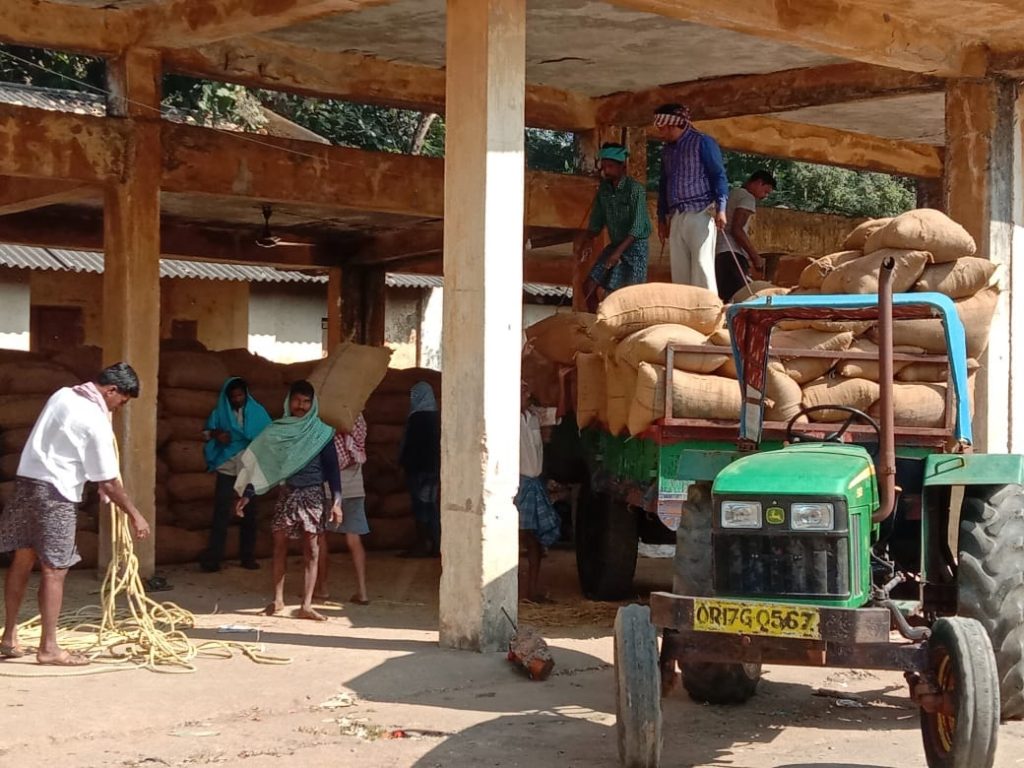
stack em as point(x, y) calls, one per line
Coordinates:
point(483, 269)
point(334, 292)
point(984, 191)
point(131, 282)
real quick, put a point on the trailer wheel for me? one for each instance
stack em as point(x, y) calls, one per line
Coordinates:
point(607, 539)
point(706, 682)
point(991, 581)
point(637, 688)
point(961, 729)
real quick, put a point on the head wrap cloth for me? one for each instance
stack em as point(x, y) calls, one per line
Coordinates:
point(618, 154)
point(677, 116)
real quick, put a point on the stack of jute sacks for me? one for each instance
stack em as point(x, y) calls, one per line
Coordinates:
point(190, 380)
point(619, 354)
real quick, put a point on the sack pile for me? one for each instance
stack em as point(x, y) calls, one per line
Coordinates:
point(620, 376)
point(190, 380)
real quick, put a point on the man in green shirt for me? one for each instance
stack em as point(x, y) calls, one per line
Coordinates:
point(620, 206)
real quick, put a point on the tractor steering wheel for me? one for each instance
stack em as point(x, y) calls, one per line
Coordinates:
point(832, 437)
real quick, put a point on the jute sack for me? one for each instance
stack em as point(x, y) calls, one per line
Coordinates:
point(402, 380)
point(391, 533)
point(176, 545)
point(932, 372)
point(591, 393)
point(924, 229)
point(562, 335)
point(256, 370)
point(192, 486)
point(345, 379)
point(868, 369)
point(6, 492)
point(184, 427)
point(856, 327)
point(192, 370)
point(815, 272)
point(541, 376)
point(861, 275)
point(299, 371)
point(694, 396)
point(855, 393)
point(649, 345)
point(9, 465)
point(783, 396)
point(84, 362)
point(636, 307)
point(805, 369)
point(34, 378)
point(192, 515)
point(187, 402)
point(917, 405)
point(958, 279)
point(20, 410)
point(858, 237)
point(184, 456)
point(385, 434)
point(747, 291)
point(975, 314)
point(788, 268)
point(620, 383)
point(391, 505)
point(387, 409)
point(163, 472)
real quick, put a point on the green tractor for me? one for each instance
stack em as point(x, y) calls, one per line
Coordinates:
point(856, 544)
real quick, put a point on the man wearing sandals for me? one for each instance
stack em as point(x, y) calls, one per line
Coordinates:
point(71, 443)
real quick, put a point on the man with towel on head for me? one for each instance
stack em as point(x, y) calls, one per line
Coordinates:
point(692, 196)
point(298, 451)
point(620, 206)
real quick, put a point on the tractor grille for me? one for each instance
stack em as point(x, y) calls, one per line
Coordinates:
point(793, 565)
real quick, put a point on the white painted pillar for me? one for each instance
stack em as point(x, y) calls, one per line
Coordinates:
point(483, 237)
point(984, 190)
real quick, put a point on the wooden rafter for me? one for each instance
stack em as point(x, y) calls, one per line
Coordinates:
point(264, 63)
point(891, 35)
point(20, 194)
point(782, 91)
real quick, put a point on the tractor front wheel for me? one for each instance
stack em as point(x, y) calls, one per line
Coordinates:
point(637, 688)
point(960, 723)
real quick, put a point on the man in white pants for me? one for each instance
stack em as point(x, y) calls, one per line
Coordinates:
point(692, 196)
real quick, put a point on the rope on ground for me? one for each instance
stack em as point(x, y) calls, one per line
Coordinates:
point(143, 634)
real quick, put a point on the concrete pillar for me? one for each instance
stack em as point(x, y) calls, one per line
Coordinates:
point(334, 324)
point(984, 191)
point(352, 302)
point(483, 268)
point(375, 307)
point(131, 281)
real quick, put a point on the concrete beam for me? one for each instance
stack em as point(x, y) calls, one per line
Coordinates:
point(44, 24)
point(875, 33)
point(828, 146)
point(276, 65)
point(188, 23)
point(760, 94)
point(18, 195)
point(486, 77)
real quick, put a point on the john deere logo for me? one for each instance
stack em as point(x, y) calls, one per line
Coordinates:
point(775, 515)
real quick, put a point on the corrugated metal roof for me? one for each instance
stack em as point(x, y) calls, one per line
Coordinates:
point(26, 257)
point(53, 99)
point(396, 280)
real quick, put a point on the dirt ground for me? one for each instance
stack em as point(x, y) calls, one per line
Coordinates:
point(370, 671)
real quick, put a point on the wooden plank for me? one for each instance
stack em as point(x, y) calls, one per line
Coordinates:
point(21, 194)
point(782, 91)
point(44, 24)
point(58, 145)
point(905, 37)
point(483, 245)
point(131, 292)
point(277, 65)
point(188, 23)
point(828, 146)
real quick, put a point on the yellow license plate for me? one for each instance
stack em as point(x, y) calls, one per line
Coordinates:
point(766, 619)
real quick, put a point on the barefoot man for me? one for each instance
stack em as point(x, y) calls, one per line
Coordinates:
point(298, 451)
point(72, 443)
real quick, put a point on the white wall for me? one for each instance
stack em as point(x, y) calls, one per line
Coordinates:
point(286, 321)
point(15, 309)
point(431, 329)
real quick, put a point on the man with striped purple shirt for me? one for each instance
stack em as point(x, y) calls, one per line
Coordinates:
point(692, 196)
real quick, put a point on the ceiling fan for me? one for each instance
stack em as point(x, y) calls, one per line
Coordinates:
point(268, 239)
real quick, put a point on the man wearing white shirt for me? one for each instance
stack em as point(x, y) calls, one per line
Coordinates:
point(71, 443)
point(736, 256)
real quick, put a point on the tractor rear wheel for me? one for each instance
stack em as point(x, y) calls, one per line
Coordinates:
point(706, 682)
point(991, 581)
point(961, 729)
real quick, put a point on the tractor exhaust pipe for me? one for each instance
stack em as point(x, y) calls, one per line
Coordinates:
point(887, 476)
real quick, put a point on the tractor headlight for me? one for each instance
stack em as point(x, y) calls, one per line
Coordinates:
point(817, 516)
point(741, 514)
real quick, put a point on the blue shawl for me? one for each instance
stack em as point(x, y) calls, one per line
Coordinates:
point(255, 420)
